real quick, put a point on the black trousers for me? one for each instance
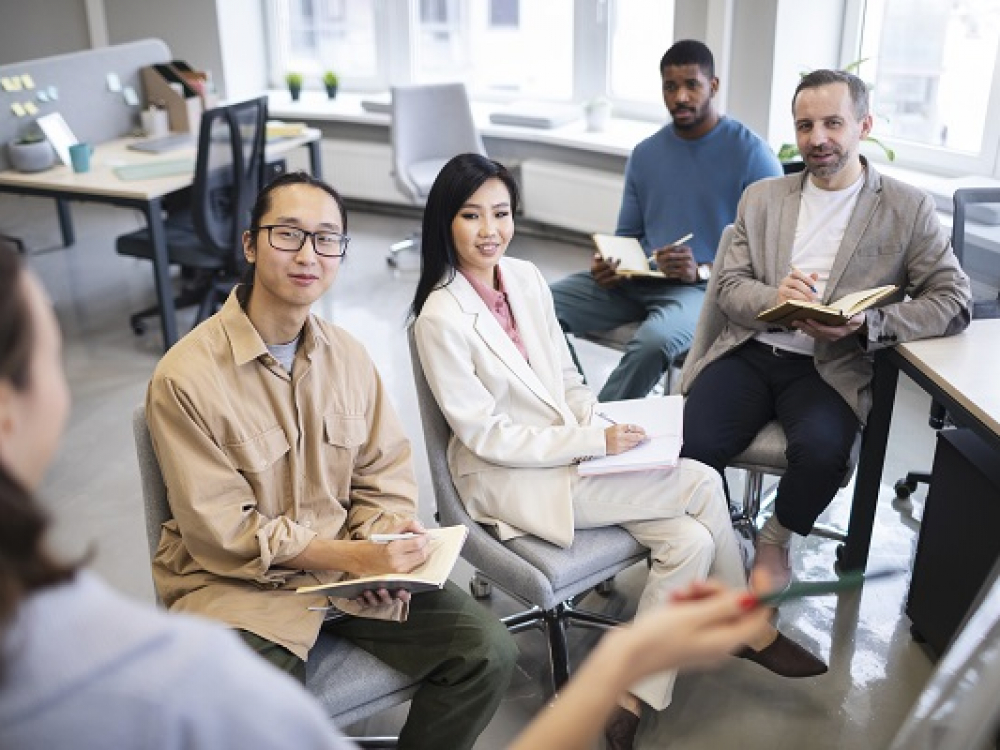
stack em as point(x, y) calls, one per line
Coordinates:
point(734, 397)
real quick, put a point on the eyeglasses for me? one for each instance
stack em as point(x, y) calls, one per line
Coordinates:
point(291, 239)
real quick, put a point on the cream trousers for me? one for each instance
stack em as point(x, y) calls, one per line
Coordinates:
point(681, 515)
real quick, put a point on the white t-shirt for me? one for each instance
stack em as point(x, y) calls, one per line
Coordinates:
point(823, 219)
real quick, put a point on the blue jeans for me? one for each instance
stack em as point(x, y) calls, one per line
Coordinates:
point(668, 314)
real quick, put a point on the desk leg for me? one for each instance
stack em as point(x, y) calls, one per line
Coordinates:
point(853, 554)
point(65, 222)
point(316, 159)
point(161, 272)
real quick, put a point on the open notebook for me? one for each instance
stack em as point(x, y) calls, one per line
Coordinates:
point(446, 544)
point(663, 420)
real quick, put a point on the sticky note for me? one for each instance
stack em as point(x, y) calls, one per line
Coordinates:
point(114, 82)
point(17, 109)
point(131, 98)
point(53, 93)
point(7, 84)
point(42, 96)
point(30, 108)
point(28, 81)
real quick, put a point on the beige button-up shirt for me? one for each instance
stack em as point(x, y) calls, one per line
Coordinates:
point(258, 463)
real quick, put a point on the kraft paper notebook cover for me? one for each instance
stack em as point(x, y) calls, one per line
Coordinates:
point(663, 420)
point(834, 314)
point(446, 544)
point(632, 259)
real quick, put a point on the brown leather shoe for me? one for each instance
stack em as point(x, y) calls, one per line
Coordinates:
point(786, 658)
point(772, 570)
point(619, 733)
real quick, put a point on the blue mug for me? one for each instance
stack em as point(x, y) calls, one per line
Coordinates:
point(79, 154)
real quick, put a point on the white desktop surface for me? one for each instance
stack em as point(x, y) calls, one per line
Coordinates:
point(618, 139)
point(102, 181)
point(966, 366)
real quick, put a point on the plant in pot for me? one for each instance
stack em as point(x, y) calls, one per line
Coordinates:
point(31, 152)
point(331, 81)
point(294, 82)
point(597, 112)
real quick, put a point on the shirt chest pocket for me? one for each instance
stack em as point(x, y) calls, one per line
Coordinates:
point(343, 436)
point(263, 462)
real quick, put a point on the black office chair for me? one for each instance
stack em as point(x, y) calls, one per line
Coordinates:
point(981, 309)
point(206, 239)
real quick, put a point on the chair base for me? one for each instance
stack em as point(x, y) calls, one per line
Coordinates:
point(554, 622)
point(908, 485)
point(747, 522)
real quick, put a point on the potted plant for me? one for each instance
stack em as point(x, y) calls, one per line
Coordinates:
point(331, 82)
point(31, 152)
point(597, 112)
point(294, 83)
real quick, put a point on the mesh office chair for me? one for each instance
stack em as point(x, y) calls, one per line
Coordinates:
point(349, 683)
point(548, 578)
point(429, 125)
point(206, 240)
point(981, 309)
point(766, 452)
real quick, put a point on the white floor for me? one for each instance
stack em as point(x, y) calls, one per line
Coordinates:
point(876, 670)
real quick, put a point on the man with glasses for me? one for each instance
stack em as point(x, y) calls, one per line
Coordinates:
point(282, 457)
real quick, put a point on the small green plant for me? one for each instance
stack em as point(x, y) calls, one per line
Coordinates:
point(330, 78)
point(31, 134)
point(293, 79)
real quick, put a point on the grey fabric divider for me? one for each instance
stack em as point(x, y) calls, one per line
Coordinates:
point(93, 113)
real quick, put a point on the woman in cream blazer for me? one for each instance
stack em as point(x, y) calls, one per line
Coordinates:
point(520, 415)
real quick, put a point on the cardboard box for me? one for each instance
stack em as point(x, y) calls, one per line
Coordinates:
point(179, 89)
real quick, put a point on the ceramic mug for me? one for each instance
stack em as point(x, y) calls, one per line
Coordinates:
point(79, 155)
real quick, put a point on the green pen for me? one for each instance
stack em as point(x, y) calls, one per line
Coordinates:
point(846, 582)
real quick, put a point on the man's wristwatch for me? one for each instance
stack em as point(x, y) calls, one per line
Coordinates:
point(704, 271)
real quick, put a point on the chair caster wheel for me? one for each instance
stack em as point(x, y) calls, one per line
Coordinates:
point(904, 489)
point(480, 588)
point(605, 587)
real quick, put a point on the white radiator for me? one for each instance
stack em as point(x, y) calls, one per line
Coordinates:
point(585, 200)
point(357, 169)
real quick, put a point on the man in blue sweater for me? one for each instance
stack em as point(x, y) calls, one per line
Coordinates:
point(682, 185)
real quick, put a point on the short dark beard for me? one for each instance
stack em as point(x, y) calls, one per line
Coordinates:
point(828, 170)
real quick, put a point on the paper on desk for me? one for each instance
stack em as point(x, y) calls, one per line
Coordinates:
point(663, 420)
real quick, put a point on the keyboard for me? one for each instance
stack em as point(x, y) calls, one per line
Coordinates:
point(165, 143)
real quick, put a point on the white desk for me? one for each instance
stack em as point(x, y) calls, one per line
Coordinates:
point(102, 185)
point(961, 372)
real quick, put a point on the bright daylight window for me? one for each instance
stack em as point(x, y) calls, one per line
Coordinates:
point(317, 35)
point(640, 32)
point(934, 64)
point(500, 48)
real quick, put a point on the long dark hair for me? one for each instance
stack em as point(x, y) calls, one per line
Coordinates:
point(457, 181)
point(25, 565)
point(263, 204)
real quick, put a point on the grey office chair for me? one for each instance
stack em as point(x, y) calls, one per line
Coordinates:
point(545, 576)
point(205, 239)
point(349, 683)
point(429, 125)
point(981, 309)
point(766, 453)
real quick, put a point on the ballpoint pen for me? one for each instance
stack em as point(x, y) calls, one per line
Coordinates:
point(682, 240)
point(605, 417)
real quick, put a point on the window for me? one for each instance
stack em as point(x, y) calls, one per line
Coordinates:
point(499, 48)
point(317, 35)
point(934, 67)
point(640, 32)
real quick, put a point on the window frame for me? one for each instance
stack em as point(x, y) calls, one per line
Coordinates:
point(910, 154)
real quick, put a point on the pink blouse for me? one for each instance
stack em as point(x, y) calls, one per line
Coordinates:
point(496, 301)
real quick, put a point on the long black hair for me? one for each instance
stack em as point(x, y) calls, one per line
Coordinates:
point(263, 204)
point(25, 565)
point(457, 181)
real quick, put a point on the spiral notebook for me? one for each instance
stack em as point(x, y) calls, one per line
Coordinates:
point(662, 417)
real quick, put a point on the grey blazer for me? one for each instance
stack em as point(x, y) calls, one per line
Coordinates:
point(893, 237)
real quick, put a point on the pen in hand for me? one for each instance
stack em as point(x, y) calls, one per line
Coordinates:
point(605, 417)
point(806, 278)
point(686, 238)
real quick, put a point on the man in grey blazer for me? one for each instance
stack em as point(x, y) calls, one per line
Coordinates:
point(837, 228)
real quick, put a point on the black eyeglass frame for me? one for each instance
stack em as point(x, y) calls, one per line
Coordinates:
point(344, 239)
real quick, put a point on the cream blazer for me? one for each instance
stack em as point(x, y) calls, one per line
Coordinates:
point(517, 425)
